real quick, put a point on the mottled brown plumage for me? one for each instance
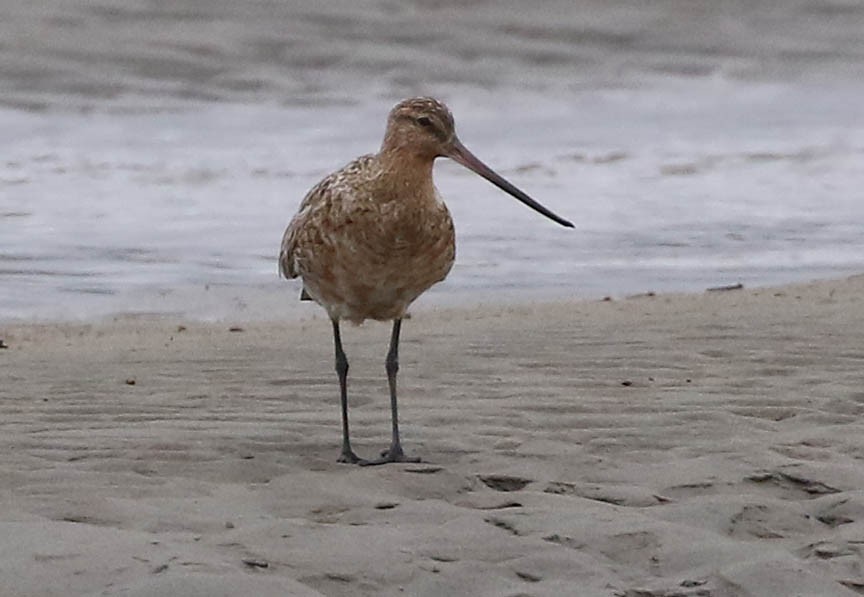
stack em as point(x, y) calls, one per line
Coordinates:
point(372, 237)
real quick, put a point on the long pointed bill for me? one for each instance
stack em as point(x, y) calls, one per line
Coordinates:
point(461, 155)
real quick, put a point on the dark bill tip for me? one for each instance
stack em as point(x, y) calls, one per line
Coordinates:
point(461, 155)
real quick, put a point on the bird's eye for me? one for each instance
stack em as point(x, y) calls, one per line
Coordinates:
point(424, 121)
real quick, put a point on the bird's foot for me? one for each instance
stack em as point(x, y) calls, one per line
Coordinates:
point(349, 457)
point(393, 454)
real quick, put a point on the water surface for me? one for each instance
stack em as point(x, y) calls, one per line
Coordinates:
point(154, 152)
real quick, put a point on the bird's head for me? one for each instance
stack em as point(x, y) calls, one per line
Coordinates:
point(423, 127)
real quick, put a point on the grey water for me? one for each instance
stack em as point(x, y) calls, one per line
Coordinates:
point(151, 153)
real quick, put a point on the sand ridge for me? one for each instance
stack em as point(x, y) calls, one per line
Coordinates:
point(687, 445)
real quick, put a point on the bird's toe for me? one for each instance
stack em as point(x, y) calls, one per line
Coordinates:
point(349, 457)
point(393, 454)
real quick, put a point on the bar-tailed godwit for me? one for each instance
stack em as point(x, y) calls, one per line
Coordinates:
point(372, 237)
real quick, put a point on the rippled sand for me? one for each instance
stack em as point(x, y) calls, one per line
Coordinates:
point(668, 445)
point(701, 445)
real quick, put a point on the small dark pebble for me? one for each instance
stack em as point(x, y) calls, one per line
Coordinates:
point(738, 286)
point(627, 383)
point(607, 299)
point(650, 379)
point(688, 380)
point(527, 576)
point(130, 382)
point(181, 328)
point(236, 328)
point(693, 583)
point(3, 344)
point(423, 470)
point(229, 525)
point(386, 505)
point(500, 506)
point(253, 563)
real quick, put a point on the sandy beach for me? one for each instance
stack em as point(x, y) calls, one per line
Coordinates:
point(681, 445)
point(661, 445)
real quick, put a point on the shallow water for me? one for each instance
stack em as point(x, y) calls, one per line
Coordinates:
point(145, 170)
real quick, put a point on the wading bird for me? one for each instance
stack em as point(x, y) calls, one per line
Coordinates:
point(372, 237)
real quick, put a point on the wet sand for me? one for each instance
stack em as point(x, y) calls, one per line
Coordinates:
point(694, 445)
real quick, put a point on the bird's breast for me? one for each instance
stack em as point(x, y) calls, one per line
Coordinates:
point(403, 237)
point(373, 258)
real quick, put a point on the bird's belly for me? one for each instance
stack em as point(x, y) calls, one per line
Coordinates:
point(357, 279)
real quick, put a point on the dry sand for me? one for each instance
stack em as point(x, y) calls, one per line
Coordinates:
point(707, 445)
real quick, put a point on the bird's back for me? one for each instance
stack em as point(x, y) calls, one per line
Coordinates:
point(317, 206)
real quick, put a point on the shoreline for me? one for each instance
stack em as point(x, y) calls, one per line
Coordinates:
point(702, 442)
point(642, 226)
point(259, 301)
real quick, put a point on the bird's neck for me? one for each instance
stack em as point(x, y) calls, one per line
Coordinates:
point(405, 169)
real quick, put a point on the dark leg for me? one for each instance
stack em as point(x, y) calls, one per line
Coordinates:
point(395, 453)
point(347, 455)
